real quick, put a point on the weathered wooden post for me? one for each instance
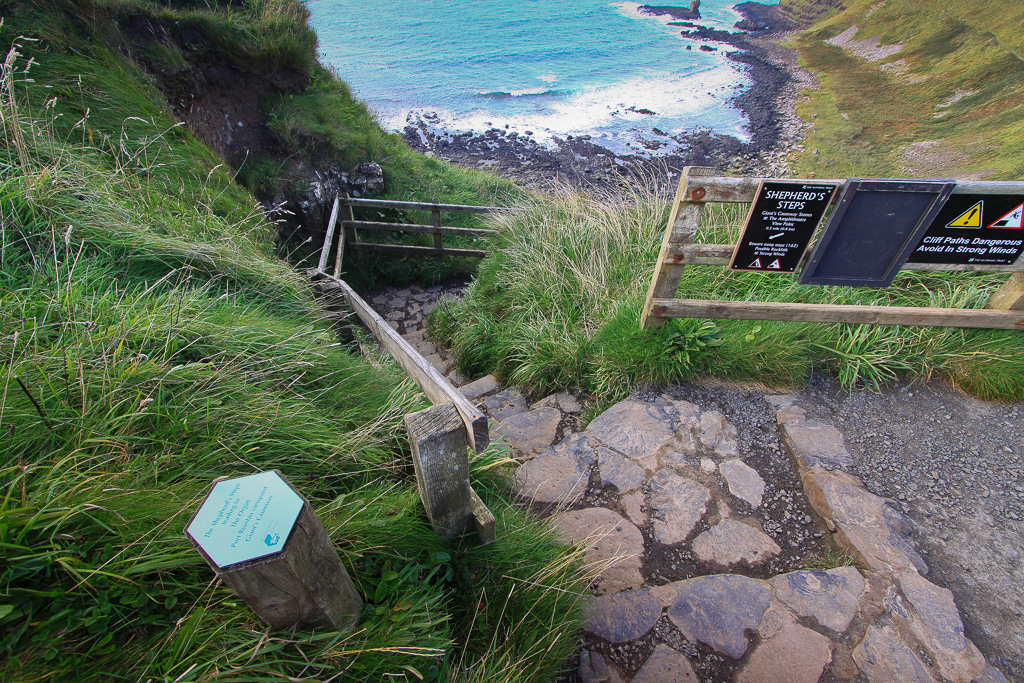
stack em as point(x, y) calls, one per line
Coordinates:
point(435, 214)
point(1010, 296)
point(440, 454)
point(264, 541)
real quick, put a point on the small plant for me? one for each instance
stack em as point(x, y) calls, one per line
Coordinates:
point(688, 336)
point(830, 558)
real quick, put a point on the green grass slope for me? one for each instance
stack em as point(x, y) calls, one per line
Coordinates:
point(946, 101)
point(150, 341)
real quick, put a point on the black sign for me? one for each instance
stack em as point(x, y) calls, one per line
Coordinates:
point(872, 231)
point(780, 225)
point(975, 228)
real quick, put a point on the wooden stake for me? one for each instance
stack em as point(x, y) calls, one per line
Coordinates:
point(346, 216)
point(326, 250)
point(440, 456)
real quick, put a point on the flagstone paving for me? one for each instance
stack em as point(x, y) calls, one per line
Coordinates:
point(672, 487)
point(697, 533)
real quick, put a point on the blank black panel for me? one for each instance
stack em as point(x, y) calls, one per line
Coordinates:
point(875, 227)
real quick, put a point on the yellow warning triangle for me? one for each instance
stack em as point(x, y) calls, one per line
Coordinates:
point(971, 218)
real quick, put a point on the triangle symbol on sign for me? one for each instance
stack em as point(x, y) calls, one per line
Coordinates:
point(1013, 220)
point(756, 264)
point(971, 218)
point(775, 264)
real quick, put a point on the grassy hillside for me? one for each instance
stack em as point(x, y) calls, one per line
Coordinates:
point(558, 302)
point(150, 341)
point(944, 101)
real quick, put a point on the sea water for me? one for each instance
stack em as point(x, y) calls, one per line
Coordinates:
point(553, 68)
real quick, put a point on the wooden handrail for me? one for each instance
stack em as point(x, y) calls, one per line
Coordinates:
point(422, 206)
point(414, 227)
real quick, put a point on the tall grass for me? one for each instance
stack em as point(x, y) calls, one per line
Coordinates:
point(558, 303)
point(149, 342)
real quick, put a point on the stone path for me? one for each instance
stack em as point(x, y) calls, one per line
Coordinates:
point(660, 474)
point(698, 554)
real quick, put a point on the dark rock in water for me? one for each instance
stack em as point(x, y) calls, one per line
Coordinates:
point(708, 48)
point(675, 12)
point(641, 110)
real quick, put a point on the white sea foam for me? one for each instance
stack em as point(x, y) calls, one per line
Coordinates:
point(611, 113)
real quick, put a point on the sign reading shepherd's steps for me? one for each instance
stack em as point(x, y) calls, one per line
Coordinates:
point(780, 225)
point(975, 228)
point(245, 518)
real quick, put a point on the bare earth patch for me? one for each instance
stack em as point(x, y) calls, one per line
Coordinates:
point(870, 49)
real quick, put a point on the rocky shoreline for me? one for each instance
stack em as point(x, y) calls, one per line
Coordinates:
point(769, 105)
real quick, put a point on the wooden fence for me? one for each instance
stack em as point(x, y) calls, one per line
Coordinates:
point(350, 228)
point(700, 186)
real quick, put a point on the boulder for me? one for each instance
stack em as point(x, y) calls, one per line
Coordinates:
point(622, 617)
point(677, 505)
point(665, 665)
point(730, 542)
point(718, 610)
point(614, 546)
point(831, 597)
point(743, 480)
point(883, 658)
point(530, 432)
point(793, 655)
point(619, 471)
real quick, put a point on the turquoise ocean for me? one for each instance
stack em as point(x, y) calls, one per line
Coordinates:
point(580, 67)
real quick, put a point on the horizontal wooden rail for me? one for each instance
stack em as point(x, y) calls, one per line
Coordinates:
point(834, 313)
point(411, 249)
point(721, 255)
point(436, 387)
point(421, 206)
point(413, 227)
point(706, 189)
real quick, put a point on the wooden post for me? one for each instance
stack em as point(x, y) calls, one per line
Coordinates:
point(483, 519)
point(683, 222)
point(1010, 296)
point(287, 570)
point(326, 250)
point(440, 449)
point(347, 219)
point(436, 214)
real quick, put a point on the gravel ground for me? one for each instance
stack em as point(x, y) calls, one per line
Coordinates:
point(955, 465)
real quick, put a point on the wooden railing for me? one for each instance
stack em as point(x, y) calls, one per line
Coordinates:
point(351, 227)
point(700, 186)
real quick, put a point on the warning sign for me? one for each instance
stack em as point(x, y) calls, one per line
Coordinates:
point(996, 231)
point(971, 218)
point(1011, 221)
point(780, 225)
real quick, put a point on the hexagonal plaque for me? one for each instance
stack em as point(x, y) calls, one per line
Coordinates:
point(245, 518)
